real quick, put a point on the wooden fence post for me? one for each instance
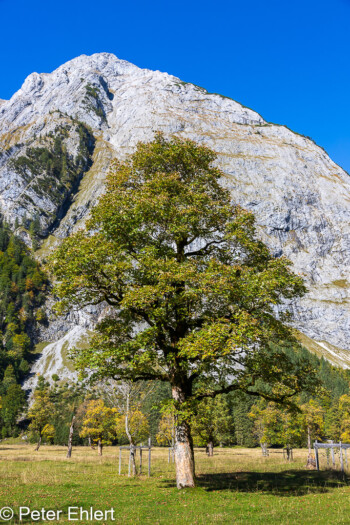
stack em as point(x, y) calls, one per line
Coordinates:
point(346, 457)
point(316, 455)
point(140, 459)
point(341, 457)
point(149, 457)
point(120, 460)
point(333, 457)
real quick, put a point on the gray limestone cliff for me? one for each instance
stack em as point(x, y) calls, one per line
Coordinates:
point(60, 131)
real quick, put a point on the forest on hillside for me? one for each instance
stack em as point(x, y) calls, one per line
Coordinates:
point(23, 287)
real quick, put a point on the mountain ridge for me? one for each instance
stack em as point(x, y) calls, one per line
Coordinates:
point(300, 197)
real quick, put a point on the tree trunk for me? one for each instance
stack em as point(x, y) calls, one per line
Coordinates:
point(309, 440)
point(132, 458)
point(38, 445)
point(99, 447)
point(210, 447)
point(127, 431)
point(70, 438)
point(311, 463)
point(184, 457)
point(90, 444)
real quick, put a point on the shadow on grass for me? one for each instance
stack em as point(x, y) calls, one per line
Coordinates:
point(286, 483)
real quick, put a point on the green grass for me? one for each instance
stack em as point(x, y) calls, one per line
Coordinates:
point(235, 486)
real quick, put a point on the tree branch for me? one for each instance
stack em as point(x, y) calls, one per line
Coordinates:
point(201, 251)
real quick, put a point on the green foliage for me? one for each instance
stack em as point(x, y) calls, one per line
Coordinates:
point(193, 293)
point(66, 399)
point(275, 425)
point(12, 404)
point(152, 406)
point(92, 101)
point(241, 404)
point(54, 170)
point(167, 249)
point(138, 427)
point(41, 411)
point(23, 288)
point(100, 422)
point(166, 430)
point(63, 402)
point(212, 422)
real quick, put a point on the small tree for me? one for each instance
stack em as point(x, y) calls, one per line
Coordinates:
point(192, 292)
point(212, 423)
point(313, 419)
point(268, 426)
point(67, 397)
point(276, 425)
point(134, 426)
point(166, 430)
point(80, 417)
point(130, 422)
point(41, 412)
point(48, 432)
point(344, 413)
point(99, 423)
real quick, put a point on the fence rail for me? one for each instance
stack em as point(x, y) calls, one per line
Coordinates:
point(341, 446)
point(134, 448)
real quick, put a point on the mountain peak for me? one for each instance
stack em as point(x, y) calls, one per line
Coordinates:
point(94, 108)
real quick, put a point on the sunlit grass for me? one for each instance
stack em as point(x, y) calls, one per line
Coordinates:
point(235, 486)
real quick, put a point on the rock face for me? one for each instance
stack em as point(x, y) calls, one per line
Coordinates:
point(59, 132)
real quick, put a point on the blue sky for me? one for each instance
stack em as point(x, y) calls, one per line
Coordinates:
point(287, 60)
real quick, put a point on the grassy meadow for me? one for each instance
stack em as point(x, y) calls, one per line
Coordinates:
point(235, 486)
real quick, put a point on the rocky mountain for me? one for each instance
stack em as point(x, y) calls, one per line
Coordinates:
point(60, 131)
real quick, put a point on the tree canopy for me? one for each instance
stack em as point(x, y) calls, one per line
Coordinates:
point(192, 295)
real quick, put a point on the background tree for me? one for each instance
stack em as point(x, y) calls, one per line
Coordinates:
point(48, 432)
point(80, 417)
point(13, 403)
point(22, 292)
point(313, 419)
point(212, 423)
point(240, 405)
point(131, 422)
point(192, 292)
point(277, 425)
point(134, 426)
point(268, 427)
point(66, 397)
point(166, 430)
point(152, 405)
point(99, 423)
point(344, 416)
point(41, 412)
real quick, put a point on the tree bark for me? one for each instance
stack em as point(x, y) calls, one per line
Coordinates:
point(70, 438)
point(99, 447)
point(210, 447)
point(132, 458)
point(309, 439)
point(127, 431)
point(311, 463)
point(184, 457)
point(90, 443)
point(38, 445)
